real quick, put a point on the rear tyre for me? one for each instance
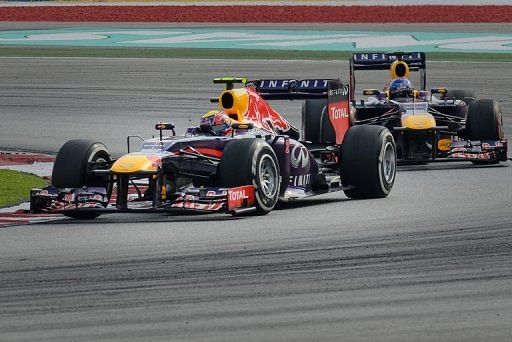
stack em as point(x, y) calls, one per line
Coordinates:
point(485, 122)
point(316, 126)
point(71, 168)
point(251, 161)
point(368, 160)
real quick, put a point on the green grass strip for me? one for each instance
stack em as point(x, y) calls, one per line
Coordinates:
point(9, 51)
point(15, 186)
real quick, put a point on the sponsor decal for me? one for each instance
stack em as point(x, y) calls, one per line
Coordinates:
point(375, 58)
point(444, 144)
point(259, 111)
point(239, 197)
point(312, 84)
point(343, 91)
point(299, 158)
point(415, 107)
point(275, 84)
point(338, 113)
point(126, 165)
point(474, 155)
point(149, 147)
point(301, 181)
point(297, 85)
point(339, 109)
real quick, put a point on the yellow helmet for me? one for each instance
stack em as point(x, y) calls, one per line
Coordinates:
point(399, 69)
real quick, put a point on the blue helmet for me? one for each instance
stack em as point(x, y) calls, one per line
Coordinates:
point(400, 87)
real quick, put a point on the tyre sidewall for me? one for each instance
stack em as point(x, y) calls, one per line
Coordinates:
point(264, 203)
point(387, 141)
point(363, 157)
point(240, 166)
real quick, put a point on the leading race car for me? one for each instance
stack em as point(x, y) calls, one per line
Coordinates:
point(242, 157)
point(435, 125)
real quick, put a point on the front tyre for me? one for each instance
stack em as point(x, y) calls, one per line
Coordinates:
point(368, 158)
point(72, 168)
point(485, 122)
point(251, 161)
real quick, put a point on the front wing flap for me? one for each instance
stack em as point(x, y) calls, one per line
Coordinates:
point(52, 199)
point(478, 150)
point(216, 199)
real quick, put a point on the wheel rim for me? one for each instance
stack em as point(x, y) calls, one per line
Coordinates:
point(389, 163)
point(268, 176)
point(99, 181)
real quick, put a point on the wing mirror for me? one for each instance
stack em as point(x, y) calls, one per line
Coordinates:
point(165, 126)
point(238, 125)
point(439, 90)
point(370, 92)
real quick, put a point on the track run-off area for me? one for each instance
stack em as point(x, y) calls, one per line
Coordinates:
point(297, 38)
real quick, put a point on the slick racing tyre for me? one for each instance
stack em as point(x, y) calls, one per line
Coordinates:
point(485, 122)
point(316, 126)
point(249, 161)
point(368, 161)
point(71, 170)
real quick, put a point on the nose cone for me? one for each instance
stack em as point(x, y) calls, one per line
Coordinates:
point(418, 121)
point(136, 162)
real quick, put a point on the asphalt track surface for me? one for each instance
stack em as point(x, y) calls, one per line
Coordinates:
point(47, 101)
point(432, 262)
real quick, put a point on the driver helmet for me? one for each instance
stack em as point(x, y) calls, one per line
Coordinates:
point(400, 88)
point(215, 121)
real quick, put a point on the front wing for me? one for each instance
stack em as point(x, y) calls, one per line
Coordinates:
point(93, 199)
point(478, 150)
point(460, 150)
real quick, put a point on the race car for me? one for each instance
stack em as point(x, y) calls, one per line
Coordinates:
point(242, 158)
point(428, 126)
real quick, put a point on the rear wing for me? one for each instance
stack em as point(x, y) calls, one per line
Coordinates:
point(382, 61)
point(286, 89)
point(336, 94)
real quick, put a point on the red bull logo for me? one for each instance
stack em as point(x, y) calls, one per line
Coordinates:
point(259, 111)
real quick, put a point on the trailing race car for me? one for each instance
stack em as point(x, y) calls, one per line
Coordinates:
point(241, 158)
point(435, 125)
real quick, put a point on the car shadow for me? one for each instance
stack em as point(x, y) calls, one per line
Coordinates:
point(446, 166)
point(117, 218)
point(308, 202)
